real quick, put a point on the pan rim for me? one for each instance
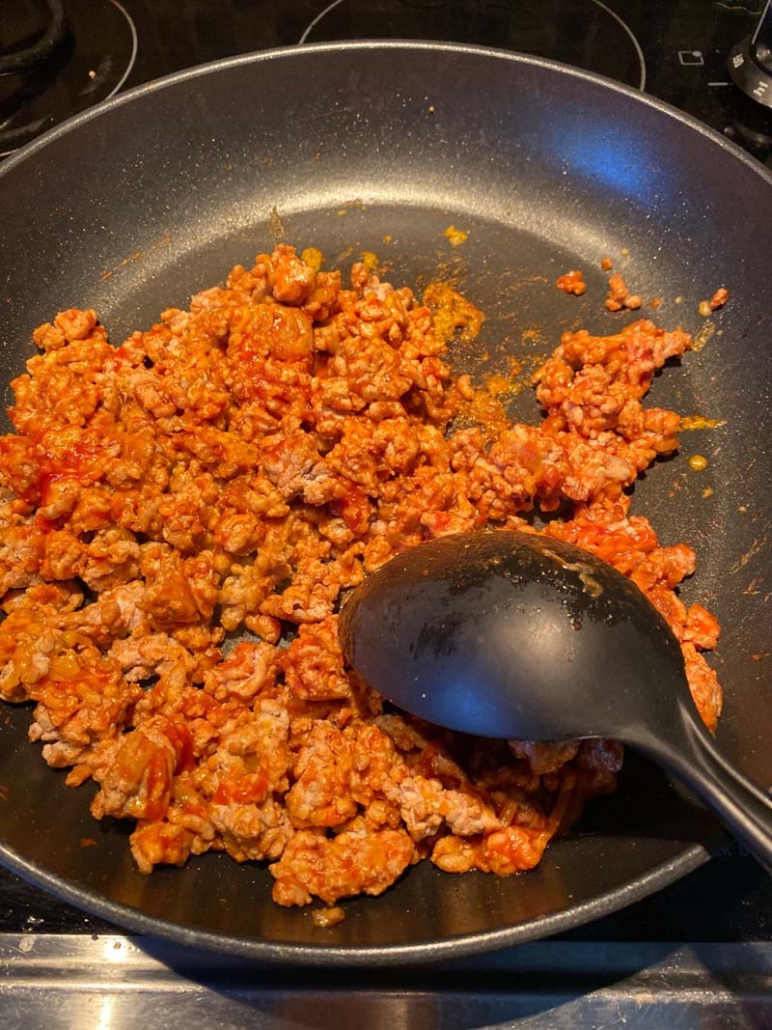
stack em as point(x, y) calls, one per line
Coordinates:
point(330, 956)
point(288, 52)
point(426, 951)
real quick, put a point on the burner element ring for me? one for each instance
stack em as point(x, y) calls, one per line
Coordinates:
point(586, 34)
point(39, 53)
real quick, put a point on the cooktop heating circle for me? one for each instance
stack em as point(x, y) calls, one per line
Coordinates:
point(91, 64)
point(586, 34)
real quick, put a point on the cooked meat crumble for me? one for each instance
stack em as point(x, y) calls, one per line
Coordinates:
point(181, 513)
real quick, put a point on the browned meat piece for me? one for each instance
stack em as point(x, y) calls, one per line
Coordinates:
point(572, 282)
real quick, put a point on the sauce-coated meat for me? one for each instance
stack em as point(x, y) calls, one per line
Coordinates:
point(228, 474)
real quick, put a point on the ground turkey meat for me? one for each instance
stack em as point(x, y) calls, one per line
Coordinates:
point(182, 514)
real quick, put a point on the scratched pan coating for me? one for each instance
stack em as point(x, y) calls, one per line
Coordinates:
point(136, 205)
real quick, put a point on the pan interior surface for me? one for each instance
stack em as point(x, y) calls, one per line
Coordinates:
point(383, 147)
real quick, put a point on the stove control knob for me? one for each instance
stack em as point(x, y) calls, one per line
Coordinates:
point(750, 62)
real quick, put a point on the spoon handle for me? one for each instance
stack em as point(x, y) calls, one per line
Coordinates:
point(691, 755)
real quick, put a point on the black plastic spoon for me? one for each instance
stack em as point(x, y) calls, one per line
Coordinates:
point(514, 635)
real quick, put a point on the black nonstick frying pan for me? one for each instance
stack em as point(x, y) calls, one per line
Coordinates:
point(136, 205)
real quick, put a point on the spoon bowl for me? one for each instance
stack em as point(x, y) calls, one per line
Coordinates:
point(516, 635)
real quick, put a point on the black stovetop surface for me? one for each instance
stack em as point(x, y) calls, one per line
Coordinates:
point(675, 49)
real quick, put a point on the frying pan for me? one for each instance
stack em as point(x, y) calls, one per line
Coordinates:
point(132, 207)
